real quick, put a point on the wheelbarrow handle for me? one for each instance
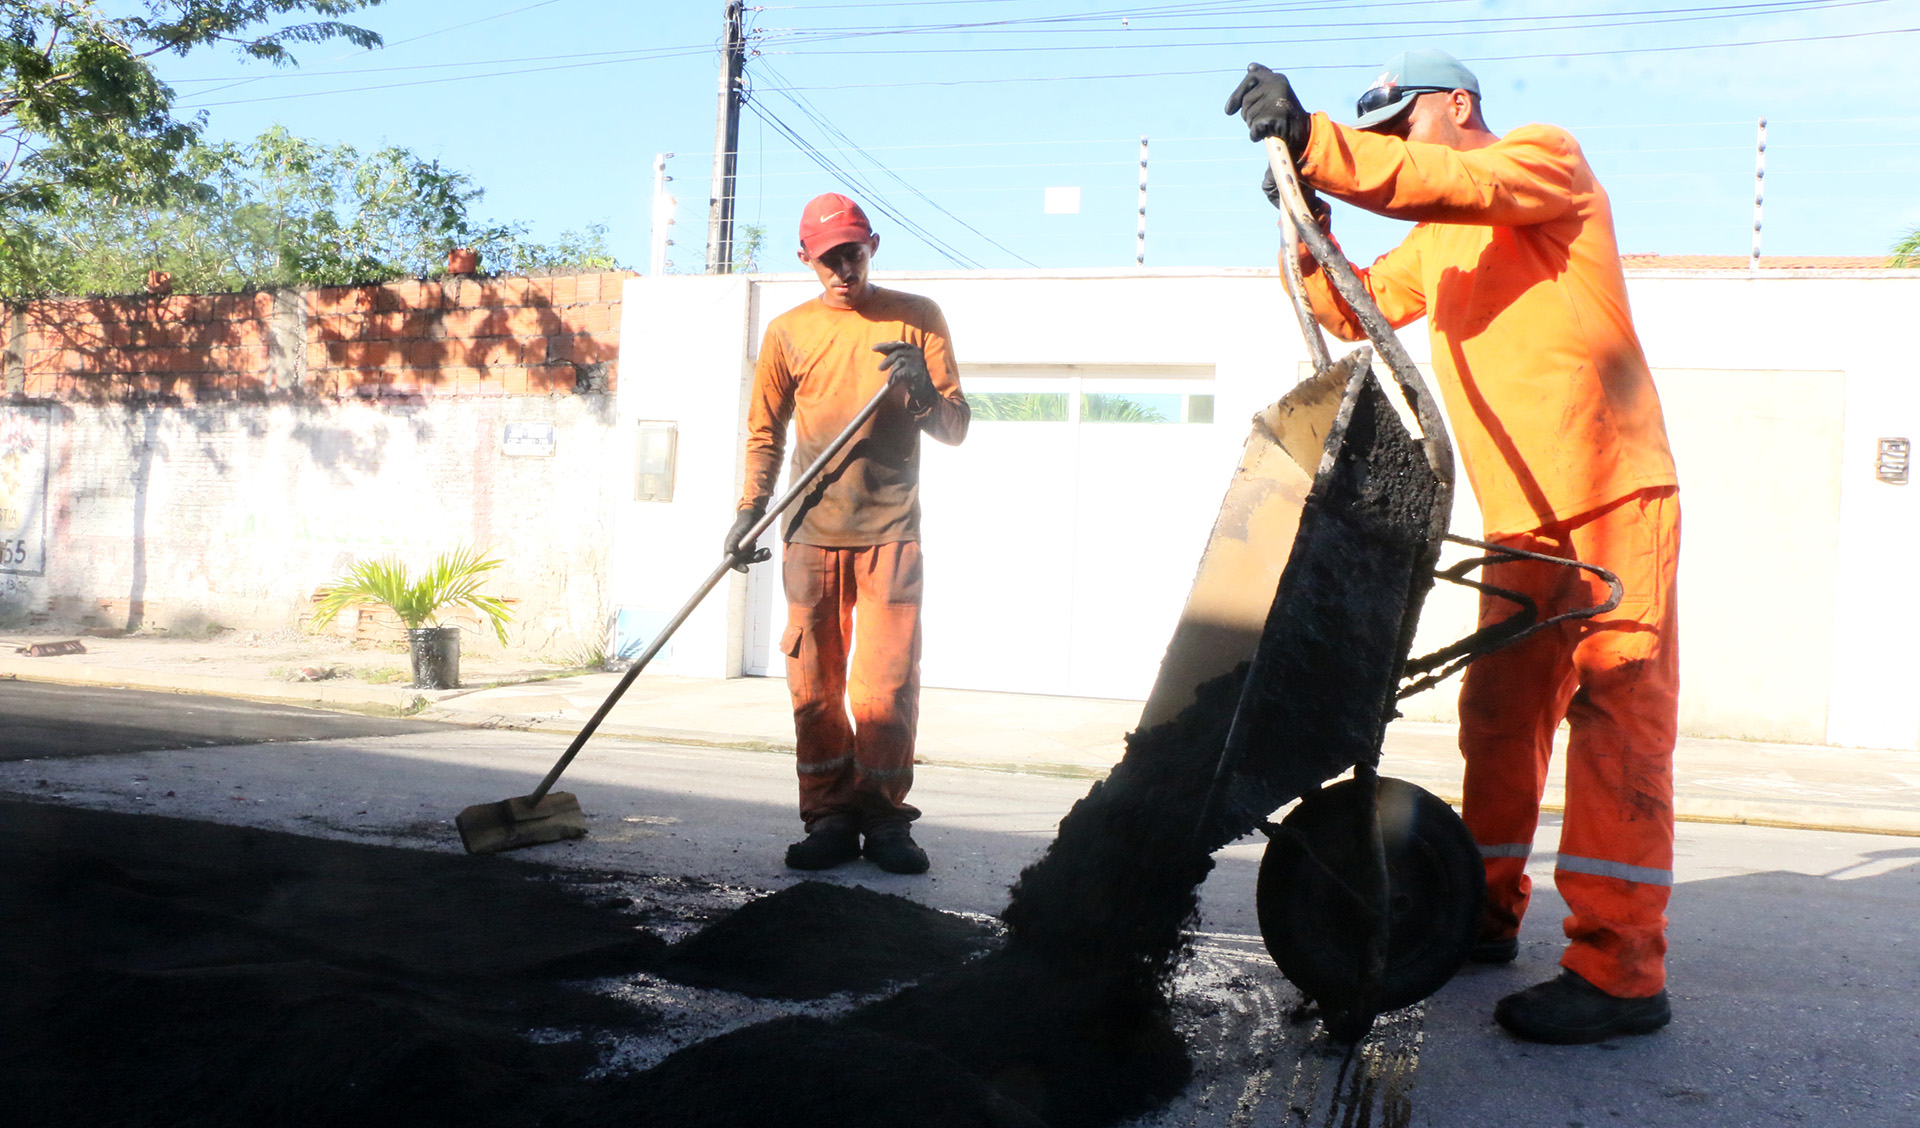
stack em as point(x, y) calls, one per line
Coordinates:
point(1346, 282)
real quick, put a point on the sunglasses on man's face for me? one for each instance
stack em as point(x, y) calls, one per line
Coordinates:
point(1380, 97)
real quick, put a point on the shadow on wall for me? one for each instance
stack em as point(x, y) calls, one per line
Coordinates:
point(337, 449)
point(144, 449)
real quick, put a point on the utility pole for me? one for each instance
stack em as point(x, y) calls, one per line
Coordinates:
point(1759, 183)
point(726, 145)
point(1140, 231)
point(663, 209)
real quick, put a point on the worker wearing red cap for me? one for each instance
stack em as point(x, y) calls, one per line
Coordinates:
point(1513, 263)
point(852, 565)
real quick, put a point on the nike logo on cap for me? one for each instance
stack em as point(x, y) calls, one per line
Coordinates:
point(831, 215)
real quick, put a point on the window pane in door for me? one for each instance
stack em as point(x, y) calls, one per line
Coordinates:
point(1145, 407)
point(1018, 407)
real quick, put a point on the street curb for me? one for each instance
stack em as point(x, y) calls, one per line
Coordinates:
point(406, 701)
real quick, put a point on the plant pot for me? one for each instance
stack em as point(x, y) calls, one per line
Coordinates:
point(436, 657)
point(463, 260)
point(159, 282)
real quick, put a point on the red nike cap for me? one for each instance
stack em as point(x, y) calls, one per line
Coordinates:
point(830, 220)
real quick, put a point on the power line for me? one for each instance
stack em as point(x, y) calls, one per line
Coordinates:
point(354, 71)
point(638, 58)
point(397, 43)
point(1345, 35)
point(807, 108)
point(1004, 27)
point(1366, 65)
point(874, 199)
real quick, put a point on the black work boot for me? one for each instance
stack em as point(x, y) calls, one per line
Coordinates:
point(1570, 1010)
point(831, 842)
point(891, 847)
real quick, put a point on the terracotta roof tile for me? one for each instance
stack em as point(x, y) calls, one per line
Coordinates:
point(1767, 262)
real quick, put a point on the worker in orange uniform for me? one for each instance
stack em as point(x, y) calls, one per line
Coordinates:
point(852, 565)
point(1514, 265)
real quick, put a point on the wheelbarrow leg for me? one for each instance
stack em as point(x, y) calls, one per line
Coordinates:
point(1374, 888)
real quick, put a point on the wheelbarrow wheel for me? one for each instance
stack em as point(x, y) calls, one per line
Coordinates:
point(1315, 926)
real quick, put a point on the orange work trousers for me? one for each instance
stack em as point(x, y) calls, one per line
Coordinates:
point(853, 643)
point(1615, 680)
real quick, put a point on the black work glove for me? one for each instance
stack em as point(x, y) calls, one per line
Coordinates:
point(1316, 207)
point(1266, 102)
point(742, 553)
point(907, 365)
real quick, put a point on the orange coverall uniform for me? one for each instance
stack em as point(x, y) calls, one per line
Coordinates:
point(1514, 264)
point(852, 566)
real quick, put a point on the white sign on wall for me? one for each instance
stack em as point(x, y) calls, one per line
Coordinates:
point(527, 440)
point(23, 490)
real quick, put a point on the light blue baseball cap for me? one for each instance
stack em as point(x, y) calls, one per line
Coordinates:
point(1408, 74)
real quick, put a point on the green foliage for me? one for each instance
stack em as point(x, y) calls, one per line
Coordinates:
point(281, 211)
point(1104, 407)
point(1023, 407)
point(453, 581)
point(748, 241)
point(1907, 251)
point(80, 106)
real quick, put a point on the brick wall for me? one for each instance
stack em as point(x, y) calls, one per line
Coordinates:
point(506, 336)
point(462, 336)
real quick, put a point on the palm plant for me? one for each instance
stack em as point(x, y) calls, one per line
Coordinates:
point(453, 581)
point(1906, 252)
point(1107, 407)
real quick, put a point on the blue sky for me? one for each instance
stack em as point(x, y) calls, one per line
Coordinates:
point(965, 111)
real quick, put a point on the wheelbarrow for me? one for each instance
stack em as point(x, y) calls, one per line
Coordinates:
point(1370, 892)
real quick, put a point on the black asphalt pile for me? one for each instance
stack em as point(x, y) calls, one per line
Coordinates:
point(1071, 1018)
point(803, 1071)
point(1077, 1047)
point(816, 939)
point(1069, 1021)
point(157, 971)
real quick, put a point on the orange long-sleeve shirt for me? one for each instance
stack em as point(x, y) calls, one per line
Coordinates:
point(817, 368)
point(1514, 264)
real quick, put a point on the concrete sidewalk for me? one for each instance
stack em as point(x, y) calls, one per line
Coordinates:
point(1715, 780)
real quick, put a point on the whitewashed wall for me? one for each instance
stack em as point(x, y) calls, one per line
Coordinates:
point(231, 514)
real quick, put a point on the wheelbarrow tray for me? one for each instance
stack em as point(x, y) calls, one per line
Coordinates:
point(1312, 581)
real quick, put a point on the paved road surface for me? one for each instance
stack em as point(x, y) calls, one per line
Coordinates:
point(1793, 965)
point(66, 720)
